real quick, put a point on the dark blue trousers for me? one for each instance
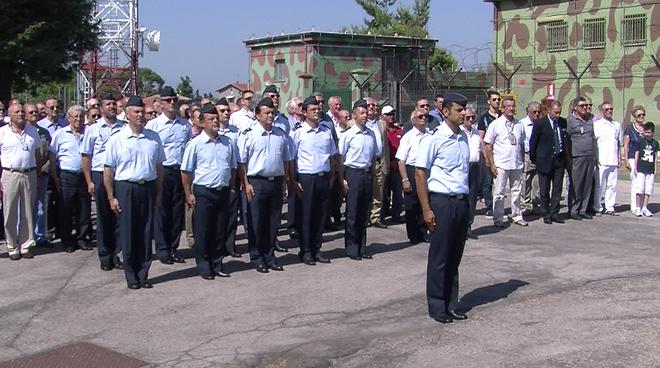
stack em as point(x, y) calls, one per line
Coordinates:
point(487, 187)
point(474, 181)
point(107, 227)
point(313, 207)
point(264, 211)
point(445, 250)
point(415, 226)
point(169, 216)
point(232, 221)
point(210, 227)
point(137, 204)
point(74, 203)
point(358, 202)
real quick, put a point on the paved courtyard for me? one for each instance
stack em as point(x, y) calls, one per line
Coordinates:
point(581, 294)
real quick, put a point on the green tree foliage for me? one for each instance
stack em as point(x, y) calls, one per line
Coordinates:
point(149, 82)
point(185, 87)
point(405, 21)
point(40, 39)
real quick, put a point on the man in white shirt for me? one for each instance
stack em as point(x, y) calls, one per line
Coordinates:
point(504, 145)
point(531, 184)
point(474, 175)
point(243, 118)
point(608, 136)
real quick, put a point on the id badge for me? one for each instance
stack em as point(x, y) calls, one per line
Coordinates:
point(512, 139)
point(581, 130)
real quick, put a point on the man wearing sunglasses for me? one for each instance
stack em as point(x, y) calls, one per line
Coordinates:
point(484, 121)
point(174, 133)
point(583, 149)
point(432, 122)
point(531, 182)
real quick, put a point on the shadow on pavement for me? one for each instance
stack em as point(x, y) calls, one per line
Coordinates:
point(489, 294)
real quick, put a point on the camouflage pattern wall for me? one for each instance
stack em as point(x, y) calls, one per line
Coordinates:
point(625, 75)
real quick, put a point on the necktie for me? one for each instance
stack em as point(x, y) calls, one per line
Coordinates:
point(556, 143)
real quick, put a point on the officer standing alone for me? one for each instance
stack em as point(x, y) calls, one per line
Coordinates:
point(441, 175)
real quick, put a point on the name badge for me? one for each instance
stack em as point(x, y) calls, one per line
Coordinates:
point(581, 130)
point(512, 139)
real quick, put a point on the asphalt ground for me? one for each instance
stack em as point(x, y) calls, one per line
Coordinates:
point(580, 294)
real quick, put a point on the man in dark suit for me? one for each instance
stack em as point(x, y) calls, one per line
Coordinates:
point(548, 151)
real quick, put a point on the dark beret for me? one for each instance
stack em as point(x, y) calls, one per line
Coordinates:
point(135, 101)
point(360, 103)
point(311, 100)
point(222, 101)
point(209, 109)
point(271, 89)
point(168, 92)
point(455, 97)
point(267, 102)
point(107, 96)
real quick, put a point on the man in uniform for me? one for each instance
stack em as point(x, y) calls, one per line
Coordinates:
point(208, 172)
point(74, 201)
point(174, 133)
point(264, 156)
point(133, 178)
point(441, 175)
point(359, 151)
point(315, 156)
point(93, 152)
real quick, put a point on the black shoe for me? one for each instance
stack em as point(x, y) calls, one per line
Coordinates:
point(15, 257)
point(262, 269)
point(278, 248)
point(576, 217)
point(379, 224)
point(276, 267)
point(586, 216)
point(547, 220)
point(309, 261)
point(208, 277)
point(83, 245)
point(293, 233)
point(70, 249)
point(355, 258)
point(107, 267)
point(443, 318)
point(119, 265)
point(458, 316)
point(221, 274)
point(367, 256)
point(177, 259)
point(146, 284)
point(556, 219)
point(320, 259)
point(166, 260)
point(133, 285)
point(235, 255)
point(27, 255)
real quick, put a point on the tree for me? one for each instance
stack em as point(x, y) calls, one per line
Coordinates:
point(404, 22)
point(184, 87)
point(41, 40)
point(149, 82)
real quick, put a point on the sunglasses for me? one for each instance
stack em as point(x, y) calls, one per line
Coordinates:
point(223, 110)
point(640, 115)
point(389, 114)
point(169, 100)
point(32, 112)
point(494, 99)
point(420, 117)
point(535, 112)
point(321, 101)
point(582, 105)
point(609, 109)
point(469, 117)
point(300, 104)
point(273, 95)
point(590, 105)
point(425, 105)
point(96, 116)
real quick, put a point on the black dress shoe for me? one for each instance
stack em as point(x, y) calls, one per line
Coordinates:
point(556, 219)
point(547, 220)
point(106, 267)
point(83, 245)
point(166, 260)
point(293, 233)
point(221, 274)
point(146, 284)
point(458, 316)
point(70, 249)
point(27, 255)
point(133, 285)
point(379, 224)
point(235, 255)
point(367, 256)
point(262, 269)
point(276, 267)
point(309, 262)
point(320, 259)
point(355, 258)
point(586, 216)
point(280, 249)
point(119, 265)
point(208, 277)
point(576, 217)
point(15, 257)
point(177, 259)
point(443, 318)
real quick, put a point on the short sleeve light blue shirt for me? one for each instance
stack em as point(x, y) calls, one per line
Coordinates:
point(263, 151)
point(282, 122)
point(313, 148)
point(95, 140)
point(66, 147)
point(447, 157)
point(174, 134)
point(210, 160)
point(134, 157)
point(358, 147)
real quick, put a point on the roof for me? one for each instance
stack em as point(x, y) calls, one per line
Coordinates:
point(330, 38)
point(238, 85)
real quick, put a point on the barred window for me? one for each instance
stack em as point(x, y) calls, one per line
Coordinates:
point(593, 33)
point(279, 69)
point(557, 36)
point(633, 30)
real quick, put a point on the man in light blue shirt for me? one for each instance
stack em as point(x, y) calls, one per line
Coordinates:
point(174, 132)
point(359, 150)
point(264, 166)
point(74, 197)
point(441, 176)
point(93, 150)
point(315, 159)
point(134, 172)
point(208, 172)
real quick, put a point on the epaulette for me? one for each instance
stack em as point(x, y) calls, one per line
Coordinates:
point(246, 131)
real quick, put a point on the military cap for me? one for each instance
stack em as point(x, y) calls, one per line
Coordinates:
point(267, 102)
point(360, 103)
point(455, 97)
point(135, 101)
point(168, 92)
point(107, 96)
point(271, 89)
point(311, 100)
point(222, 101)
point(209, 109)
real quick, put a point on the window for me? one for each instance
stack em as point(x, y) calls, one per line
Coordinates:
point(593, 33)
point(557, 32)
point(279, 69)
point(633, 30)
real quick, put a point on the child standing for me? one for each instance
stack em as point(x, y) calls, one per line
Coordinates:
point(644, 170)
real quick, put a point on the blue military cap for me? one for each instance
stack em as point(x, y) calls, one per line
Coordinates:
point(455, 97)
point(271, 89)
point(311, 100)
point(107, 96)
point(267, 102)
point(222, 101)
point(135, 101)
point(209, 109)
point(168, 91)
point(360, 103)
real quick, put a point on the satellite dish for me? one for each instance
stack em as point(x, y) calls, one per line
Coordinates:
point(152, 40)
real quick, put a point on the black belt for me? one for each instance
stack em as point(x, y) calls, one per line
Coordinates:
point(362, 170)
point(322, 173)
point(450, 196)
point(269, 178)
point(19, 170)
point(79, 173)
point(216, 189)
point(138, 182)
point(173, 167)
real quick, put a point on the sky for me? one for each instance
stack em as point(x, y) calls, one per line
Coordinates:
point(204, 38)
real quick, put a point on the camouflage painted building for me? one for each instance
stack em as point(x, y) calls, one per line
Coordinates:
point(614, 42)
point(393, 70)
